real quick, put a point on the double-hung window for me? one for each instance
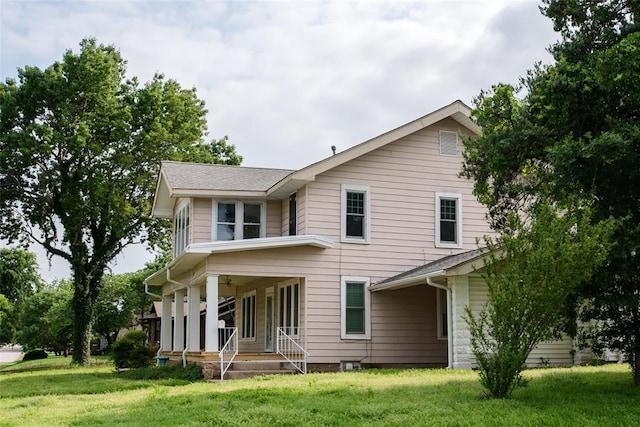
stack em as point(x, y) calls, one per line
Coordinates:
point(181, 229)
point(355, 319)
point(355, 214)
point(248, 308)
point(448, 220)
point(239, 220)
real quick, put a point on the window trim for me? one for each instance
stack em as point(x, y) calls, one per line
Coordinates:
point(366, 229)
point(440, 133)
point(366, 282)
point(254, 316)
point(239, 220)
point(459, 237)
point(185, 233)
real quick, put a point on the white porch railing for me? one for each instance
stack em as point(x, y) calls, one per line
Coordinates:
point(228, 352)
point(288, 348)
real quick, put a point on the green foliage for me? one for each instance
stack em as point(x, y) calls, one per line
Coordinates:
point(190, 373)
point(80, 149)
point(7, 328)
point(530, 273)
point(18, 274)
point(46, 319)
point(35, 355)
point(114, 306)
point(131, 351)
point(574, 138)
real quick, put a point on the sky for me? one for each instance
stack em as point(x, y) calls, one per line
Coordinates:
point(286, 80)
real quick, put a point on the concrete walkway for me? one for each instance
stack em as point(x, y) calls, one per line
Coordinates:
point(9, 354)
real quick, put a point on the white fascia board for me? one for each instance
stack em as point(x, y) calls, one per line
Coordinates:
point(257, 244)
point(407, 281)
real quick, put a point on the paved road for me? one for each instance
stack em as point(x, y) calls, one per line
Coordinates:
point(9, 354)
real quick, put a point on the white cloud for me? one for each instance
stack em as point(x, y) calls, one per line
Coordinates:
point(285, 80)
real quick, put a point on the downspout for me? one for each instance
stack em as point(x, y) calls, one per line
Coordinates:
point(182, 285)
point(449, 320)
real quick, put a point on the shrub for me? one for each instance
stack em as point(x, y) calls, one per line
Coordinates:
point(35, 355)
point(131, 351)
point(191, 373)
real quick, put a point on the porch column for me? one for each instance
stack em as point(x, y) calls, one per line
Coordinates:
point(165, 324)
point(178, 328)
point(193, 319)
point(459, 334)
point(211, 319)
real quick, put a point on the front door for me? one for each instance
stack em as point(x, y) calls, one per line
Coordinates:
point(268, 314)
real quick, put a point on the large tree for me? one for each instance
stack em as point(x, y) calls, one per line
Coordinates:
point(574, 137)
point(80, 147)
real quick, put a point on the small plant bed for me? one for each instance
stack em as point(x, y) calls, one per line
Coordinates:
point(189, 373)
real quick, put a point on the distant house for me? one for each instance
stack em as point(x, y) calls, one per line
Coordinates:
point(365, 258)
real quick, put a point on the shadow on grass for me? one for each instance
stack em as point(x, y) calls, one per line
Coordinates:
point(72, 381)
point(558, 398)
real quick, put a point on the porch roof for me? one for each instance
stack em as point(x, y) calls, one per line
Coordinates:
point(451, 265)
point(197, 252)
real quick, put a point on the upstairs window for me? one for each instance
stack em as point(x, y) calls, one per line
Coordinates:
point(293, 215)
point(181, 229)
point(448, 143)
point(239, 220)
point(355, 212)
point(448, 220)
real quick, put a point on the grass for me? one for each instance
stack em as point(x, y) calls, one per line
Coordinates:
point(585, 396)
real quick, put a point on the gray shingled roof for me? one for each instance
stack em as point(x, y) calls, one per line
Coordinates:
point(196, 176)
point(437, 265)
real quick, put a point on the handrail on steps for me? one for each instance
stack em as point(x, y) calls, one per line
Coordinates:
point(288, 348)
point(229, 351)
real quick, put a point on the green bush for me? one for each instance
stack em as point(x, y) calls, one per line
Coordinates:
point(35, 355)
point(131, 351)
point(191, 373)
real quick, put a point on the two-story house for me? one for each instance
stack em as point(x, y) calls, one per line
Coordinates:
point(365, 258)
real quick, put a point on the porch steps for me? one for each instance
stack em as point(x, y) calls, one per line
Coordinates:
point(256, 364)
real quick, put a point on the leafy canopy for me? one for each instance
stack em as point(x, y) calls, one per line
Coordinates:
point(80, 149)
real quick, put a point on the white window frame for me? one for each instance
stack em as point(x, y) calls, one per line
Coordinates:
point(239, 223)
point(365, 281)
point(442, 308)
point(182, 236)
point(448, 133)
point(459, 237)
point(248, 295)
point(366, 228)
point(284, 285)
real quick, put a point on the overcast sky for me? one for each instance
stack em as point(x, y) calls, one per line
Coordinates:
point(286, 80)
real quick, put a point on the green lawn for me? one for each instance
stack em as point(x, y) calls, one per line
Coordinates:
point(586, 396)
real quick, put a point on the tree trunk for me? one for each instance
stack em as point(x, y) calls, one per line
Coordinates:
point(636, 355)
point(84, 297)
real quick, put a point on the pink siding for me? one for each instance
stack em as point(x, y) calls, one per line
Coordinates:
point(274, 218)
point(201, 220)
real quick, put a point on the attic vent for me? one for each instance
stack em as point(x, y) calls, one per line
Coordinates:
point(350, 366)
point(449, 143)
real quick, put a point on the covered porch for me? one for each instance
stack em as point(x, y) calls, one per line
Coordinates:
point(266, 323)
